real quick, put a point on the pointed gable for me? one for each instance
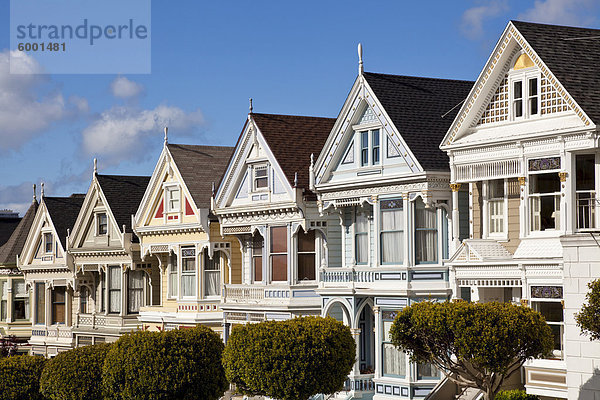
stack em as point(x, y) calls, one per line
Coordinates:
point(63, 212)
point(292, 139)
point(422, 110)
point(123, 195)
point(14, 245)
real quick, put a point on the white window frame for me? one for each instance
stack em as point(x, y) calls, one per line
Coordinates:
point(98, 216)
point(523, 75)
point(182, 273)
point(169, 189)
point(45, 236)
point(217, 259)
point(502, 204)
point(173, 272)
point(369, 129)
point(530, 199)
point(265, 167)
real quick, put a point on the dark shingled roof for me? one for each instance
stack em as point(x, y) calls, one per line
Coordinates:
point(576, 63)
point(14, 245)
point(200, 166)
point(123, 194)
point(8, 224)
point(64, 212)
point(416, 106)
point(292, 139)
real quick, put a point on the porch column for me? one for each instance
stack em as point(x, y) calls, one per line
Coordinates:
point(123, 290)
point(406, 245)
point(378, 341)
point(455, 217)
point(356, 335)
point(9, 301)
point(48, 302)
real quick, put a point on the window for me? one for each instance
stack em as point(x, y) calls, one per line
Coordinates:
point(361, 235)
point(257, 259)
point(20, 300)
point(392, 231)
point(585, 184)
point(370, 140)
point(261, 177)
point(59, 313)
point(533, 96)
point(553, 313)
point(48, 243)
point(306, 256)
point(3, 300)
point(425, 234)
point(188, 271)
point(212, 274)
point(427, 371)
point(173, 274)
point(544, 195)
point(84, 294)
point(114, 289)
point(173, 198)
point(102, 222)
point(518, 99)
point(279, 253)
point(135, 291)
point(394, 360)
point(40, 303)
point(496, 206)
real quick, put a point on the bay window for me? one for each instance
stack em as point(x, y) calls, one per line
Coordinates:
point(188, 271)
point(40, 303)
point(59, 313)
point(3, 300)
point(496, 206)
point(114, 289)
point(20, 300)
point(585, 185)
point(278, 255)
point(425, 234)
point(173, 274)
point(553, 313)
point(361, 235)
point(135, 291)
point(394, 360)
point(257, 257)
point(544, 201)
point(306, 256)
point(212, 274)
point(392, 231)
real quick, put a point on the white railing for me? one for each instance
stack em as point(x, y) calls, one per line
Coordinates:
point(360, 383)
point(488, 170)
point(347, 275)
point(586, 209)
point(237, 293)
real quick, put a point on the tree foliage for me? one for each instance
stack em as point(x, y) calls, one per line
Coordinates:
point(290, 360)
point(515, 395)
point(477, 345)
point(588, 319)
point(75, 374)
point(20, 377)
point(181, 364)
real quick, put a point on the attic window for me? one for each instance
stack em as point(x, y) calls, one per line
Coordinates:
point(261, 177)
point(48, 243)
point(102, 224)
point(369, 147)
point(173, 198)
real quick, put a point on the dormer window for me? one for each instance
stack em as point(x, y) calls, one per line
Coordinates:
point(48, 243)
point(173, 198)
point(261, 177)
point(369, 147)
point(102, 224)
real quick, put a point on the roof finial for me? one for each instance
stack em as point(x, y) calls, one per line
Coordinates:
point(251, 108)
point(295, 179)
point(166, 137)
point(311, 172)
point(42, 189)
point(360, 60)
point(95, 166)
point(34, 196)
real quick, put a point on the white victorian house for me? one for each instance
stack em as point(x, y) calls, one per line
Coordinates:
point(384, 179)
point(265, 203)
point(525, 172)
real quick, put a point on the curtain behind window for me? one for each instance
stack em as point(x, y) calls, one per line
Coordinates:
point(212, 274)
point(425, 234)
point(392, 235)
point(114, 299)
point(135, 289)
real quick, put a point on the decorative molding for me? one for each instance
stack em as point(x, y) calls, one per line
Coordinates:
point(522, 180)
point(455, 187)
point(563, 176)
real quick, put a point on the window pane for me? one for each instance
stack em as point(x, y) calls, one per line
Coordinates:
point(58, 305)
point(188, 285)
point(375, 140)
point(3, 299)
point(533, 87)
point(306, 267)
point(188, 265)
point(212, 274)
point(279, 267)
point(364, 146)
point(362, 248)
point(427, 371)
point(425, 234)
point(394, 361)
point(279, 239)
point(552, 311)
point(306, 241)
point(173, 277)
point(585, 172)
point(102, 224)
point(257, 268)
point(135, 291)
point(362, 222)
point(83, 300)
point(392, 220)
point(518, 90)
point(48, 242)
point(391, 247)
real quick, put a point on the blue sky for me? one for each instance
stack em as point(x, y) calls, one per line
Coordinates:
point(208, 58)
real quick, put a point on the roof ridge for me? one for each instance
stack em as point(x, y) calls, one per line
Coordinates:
point(554, 25)
point(293, 116)
point(420, 77)
point(125, 176)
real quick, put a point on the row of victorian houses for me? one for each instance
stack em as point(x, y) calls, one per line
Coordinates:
point(420, 189)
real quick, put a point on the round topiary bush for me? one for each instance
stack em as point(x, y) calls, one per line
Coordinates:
point(290, 360)
point(515, 395)
point(181, 364)
point(20, 377)
point(75, 374)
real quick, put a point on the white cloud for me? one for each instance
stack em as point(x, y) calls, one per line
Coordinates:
point(23, 111)
point(17, 197)
point(562, 12)
point(121, 133)
point(474, 18)
point(124, 88)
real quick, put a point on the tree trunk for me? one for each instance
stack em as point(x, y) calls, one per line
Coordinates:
point(489, 394)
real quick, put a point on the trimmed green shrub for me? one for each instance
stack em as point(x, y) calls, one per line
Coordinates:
point(181, 364)
point(20, 377)
point(290, 360)
point(588, 319)
point(75, 374)
point(515, 395)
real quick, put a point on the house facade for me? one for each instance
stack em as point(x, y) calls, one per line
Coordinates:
point(266, 205)
point(15, 304)
point(180, 238)
point(524, 168)
point(383, 178)
point(111, 283)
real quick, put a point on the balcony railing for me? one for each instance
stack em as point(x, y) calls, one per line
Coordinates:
point(586, 209)
point(360, 383)
point(102, 321)
point(347, 275)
